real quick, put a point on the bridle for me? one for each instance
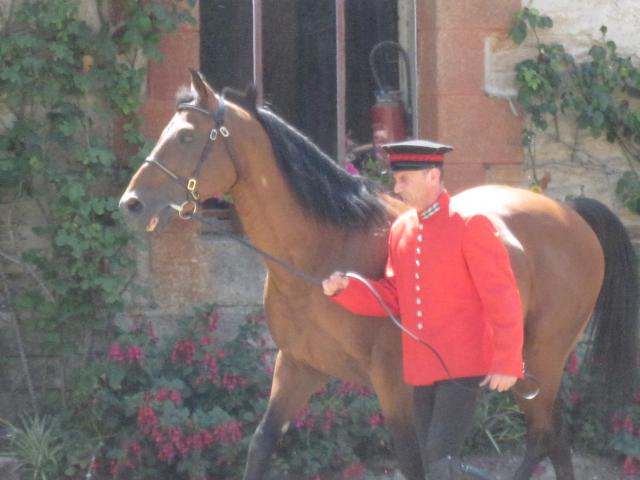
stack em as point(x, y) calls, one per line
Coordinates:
point(189, 207)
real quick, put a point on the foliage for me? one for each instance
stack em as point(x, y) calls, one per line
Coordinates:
point(598, 93)
point(185, 407)
point(37, 445)
point(62, 85)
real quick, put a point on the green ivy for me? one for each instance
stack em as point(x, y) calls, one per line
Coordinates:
point(598, 94)
point(62, 85)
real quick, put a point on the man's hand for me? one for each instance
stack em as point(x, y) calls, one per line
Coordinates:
point(336, 282)
point(499, 382)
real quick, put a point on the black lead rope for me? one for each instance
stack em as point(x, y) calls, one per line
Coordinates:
point(352, 275)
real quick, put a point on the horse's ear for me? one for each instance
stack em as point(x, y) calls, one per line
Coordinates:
point(199, 85)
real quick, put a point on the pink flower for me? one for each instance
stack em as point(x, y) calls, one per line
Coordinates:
point(355, 470)
point(631, 466)
point(166, 453)
point(351, 168)
point(573, 398)
point(573, 364)
point(211, 365)
point(232, 382)
point(146, 418)
point(116, 354)
point(214, 318)
point(376, 420)
point(134, 449)
point(627, 426)
point(135, 354)
point(227, 432)
point(183, 350)
point(329, 416)
point(304, 419)
point(164, 394)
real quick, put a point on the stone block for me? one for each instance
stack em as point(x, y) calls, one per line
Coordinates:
point(474, 14)
point(481, 129)
point(460, 62)
point(458, 177)
point(192, 269)
point(512, 175)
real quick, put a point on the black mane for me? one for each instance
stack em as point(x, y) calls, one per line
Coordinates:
point(323, 188)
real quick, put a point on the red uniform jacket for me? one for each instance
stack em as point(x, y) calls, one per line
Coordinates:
point(450, 279)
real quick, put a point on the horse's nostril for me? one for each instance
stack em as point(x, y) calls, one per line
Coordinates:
point(134, 205)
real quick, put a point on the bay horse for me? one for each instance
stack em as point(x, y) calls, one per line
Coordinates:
point(570, 261)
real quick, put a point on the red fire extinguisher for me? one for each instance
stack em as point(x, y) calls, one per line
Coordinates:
point(390, 120)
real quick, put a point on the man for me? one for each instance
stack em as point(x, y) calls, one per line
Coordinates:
point(450, 279)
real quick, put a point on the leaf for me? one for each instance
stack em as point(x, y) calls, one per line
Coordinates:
point(598, 53)
point(519, 32)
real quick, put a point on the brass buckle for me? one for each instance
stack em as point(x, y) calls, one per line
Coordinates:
point(192, 184)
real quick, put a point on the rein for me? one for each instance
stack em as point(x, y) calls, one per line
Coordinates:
point(189, 210)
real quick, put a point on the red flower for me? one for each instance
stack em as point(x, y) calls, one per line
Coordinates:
point(211, 365)
point(135, 354)
point(355, 470)
point(627, 426)
point(134, 449)
point(329, 416)
point(573, 364)
point(166, 453)
point(352, 169)
point(146, 418)
point(164, 394)
point(232, 382)
point(214, 318)
point(227, 432)
point(376, 420)
point(183, 350)
point(631, 466)
point(116, 354)
point(304, 419)
point(573, 398)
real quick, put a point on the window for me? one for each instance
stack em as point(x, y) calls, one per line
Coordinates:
point(308, 58)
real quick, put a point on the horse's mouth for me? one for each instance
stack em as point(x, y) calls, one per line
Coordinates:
point(153, 223)
point(159, 221)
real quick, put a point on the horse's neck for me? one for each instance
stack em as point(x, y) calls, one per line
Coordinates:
point(271, 217)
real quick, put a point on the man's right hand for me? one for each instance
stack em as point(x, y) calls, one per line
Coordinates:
point(335, 283)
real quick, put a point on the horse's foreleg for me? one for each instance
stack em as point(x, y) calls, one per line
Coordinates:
point(292, 385)
point(396, 402)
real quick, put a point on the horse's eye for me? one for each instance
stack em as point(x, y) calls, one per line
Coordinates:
point(186, 137)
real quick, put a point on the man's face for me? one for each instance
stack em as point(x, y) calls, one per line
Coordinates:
point(418, 188)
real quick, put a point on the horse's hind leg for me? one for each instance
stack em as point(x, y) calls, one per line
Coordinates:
point(547, 436)
point(292, 385)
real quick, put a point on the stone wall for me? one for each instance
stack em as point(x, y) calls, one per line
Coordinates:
point(576, 163)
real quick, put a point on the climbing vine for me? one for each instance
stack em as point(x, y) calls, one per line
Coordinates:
point(599, 94)
point(63, 86)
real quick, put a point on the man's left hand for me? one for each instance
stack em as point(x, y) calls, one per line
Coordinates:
point(499, 382)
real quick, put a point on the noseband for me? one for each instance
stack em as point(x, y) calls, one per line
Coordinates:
point(190, 205)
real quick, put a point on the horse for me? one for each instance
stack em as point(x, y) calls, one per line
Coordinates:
point(571, 262)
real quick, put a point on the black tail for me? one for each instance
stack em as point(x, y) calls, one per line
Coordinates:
point(614, 326)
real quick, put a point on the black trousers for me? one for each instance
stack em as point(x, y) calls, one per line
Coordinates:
point(444, 416)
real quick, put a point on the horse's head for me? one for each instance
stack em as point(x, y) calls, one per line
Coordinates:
point(189, 163)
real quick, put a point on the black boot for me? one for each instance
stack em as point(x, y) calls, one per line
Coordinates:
point(451, 468)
